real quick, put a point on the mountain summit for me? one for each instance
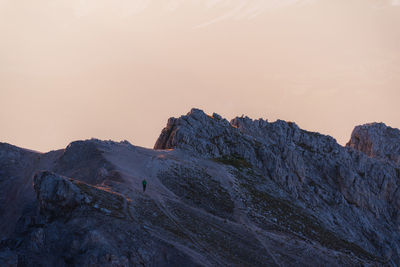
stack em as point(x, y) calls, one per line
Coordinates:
point(219, 193)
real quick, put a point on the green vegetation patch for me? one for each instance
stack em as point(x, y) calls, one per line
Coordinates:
point(295, 220)
point(234, 160)
point(221, 241)
point(149, 212)
point(196, 187)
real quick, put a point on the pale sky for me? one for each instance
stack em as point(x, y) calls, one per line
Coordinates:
point(118, 69)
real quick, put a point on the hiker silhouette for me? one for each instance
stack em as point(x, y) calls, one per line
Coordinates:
point(144, 183)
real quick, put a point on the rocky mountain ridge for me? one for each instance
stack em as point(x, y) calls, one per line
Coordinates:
point(239, 193)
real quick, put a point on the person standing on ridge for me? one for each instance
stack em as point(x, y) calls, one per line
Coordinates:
point(144, 183)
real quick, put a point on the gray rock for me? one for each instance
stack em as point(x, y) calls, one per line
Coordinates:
point(56, 193)
point(377, 140)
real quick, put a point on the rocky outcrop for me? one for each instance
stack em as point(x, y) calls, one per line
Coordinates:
point(205, 135)
point(55, 193)
point(377, 140)
point(59, 196)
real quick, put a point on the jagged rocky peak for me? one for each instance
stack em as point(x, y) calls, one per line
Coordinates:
point(199, 131)
point(377, 140)
point(191, 130)
point(213, 136)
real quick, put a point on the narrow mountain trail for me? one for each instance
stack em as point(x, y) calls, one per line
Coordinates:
point(241, 216)
point(162, 206)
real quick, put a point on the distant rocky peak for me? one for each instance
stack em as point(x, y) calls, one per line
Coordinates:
point(197, 114)
point(215, 137)
point(186, 131)
point(377, 140)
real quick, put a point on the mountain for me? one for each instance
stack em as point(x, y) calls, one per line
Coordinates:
point(239, 193)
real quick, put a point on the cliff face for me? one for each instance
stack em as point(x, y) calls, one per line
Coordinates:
point(245, 192)
point(377, 140)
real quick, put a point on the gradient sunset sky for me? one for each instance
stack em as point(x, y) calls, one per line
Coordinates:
point(118, 69)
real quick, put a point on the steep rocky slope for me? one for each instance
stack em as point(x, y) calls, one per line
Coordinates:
point(240, 193)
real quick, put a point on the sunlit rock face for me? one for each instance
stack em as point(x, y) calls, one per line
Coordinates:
point(219, 193)
point(377, 140)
